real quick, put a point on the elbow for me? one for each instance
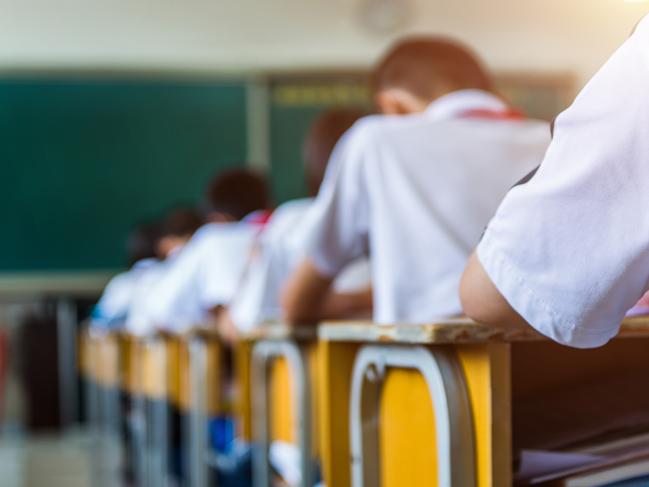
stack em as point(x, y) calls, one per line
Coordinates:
point(293, 309)
point(483, 303)
point(290, 308)
point(480, 299)
point(471, 302)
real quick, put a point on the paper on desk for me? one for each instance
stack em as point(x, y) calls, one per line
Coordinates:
point(536, 463)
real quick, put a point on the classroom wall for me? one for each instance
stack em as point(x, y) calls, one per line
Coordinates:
point(222, 35)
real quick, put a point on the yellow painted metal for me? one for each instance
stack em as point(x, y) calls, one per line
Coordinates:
point(154, 374)
point(106, 361)
point(281, 400)
point(407, 435)
point(131, 364)
point(336, 360)
point(99, 359)
point(214, 363)
point(407, 445)
point(243, 357)
point(487, 375)
point(314, 388)
point(213, 373)
point(184, 387)
point(175, 374)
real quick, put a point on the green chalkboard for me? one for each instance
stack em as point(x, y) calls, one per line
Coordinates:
point(295, 101)
point(83, 161)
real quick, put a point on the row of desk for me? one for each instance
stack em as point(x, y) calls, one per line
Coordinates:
point(449, 404)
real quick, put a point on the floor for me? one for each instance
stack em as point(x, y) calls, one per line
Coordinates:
point(75, 459)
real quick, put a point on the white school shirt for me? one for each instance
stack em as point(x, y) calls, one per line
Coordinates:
point(139, 317)
point(112, 309)
point(204, 274)
point(417, 191)
point(569, 250)
point(280, 248)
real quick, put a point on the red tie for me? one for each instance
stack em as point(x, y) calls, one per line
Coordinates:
point(485, 114)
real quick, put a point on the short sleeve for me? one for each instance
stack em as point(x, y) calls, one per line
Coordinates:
point(569, 250)
point(114, 304)
point(340, 212)
point(169, 303)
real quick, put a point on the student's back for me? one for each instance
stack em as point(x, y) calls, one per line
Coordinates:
point(176, 230)
point(283, 243)
point(205, 274)
point(112, 309)
point(415, 187)
point(422, 188)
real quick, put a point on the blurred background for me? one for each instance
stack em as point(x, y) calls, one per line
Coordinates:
point(113, 111)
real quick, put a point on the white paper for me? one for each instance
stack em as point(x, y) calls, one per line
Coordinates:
point(535, 463)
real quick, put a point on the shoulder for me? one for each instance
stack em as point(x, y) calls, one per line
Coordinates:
point(205, 232)
point(363, 131)
point(376, 131)
point(120, 281)
point(526, 132)
point(221, 239)
point(289, 212)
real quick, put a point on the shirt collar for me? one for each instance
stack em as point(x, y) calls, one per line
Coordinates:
point(453, 104)
point(144, 264)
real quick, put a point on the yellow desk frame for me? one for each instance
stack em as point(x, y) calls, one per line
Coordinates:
point(374, 380)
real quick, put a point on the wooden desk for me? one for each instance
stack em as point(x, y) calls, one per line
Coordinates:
point(437, 404)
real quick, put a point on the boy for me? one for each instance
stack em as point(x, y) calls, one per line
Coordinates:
point(204, 275)
point(416, 186)
point(175, 231)
point(112, 309)
point(282, 243)
point(568, 252)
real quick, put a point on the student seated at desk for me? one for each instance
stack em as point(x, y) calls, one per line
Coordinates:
point(568, 252)
point(176, 230)
point(283, 242)
point(112, 309)
point(417, 185)
point(205, 274)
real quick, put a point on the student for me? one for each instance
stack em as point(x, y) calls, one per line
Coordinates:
point(415, 187)
point(112, 309)
point(175, 231)
point(283, 241)
point(568, 252)
point(204, 275)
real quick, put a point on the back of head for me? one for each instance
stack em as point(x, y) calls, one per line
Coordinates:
point(428, 67)
point(176, 230)
point(321, 139)
point(142, 243)
point(235, 193)
point(181, 222)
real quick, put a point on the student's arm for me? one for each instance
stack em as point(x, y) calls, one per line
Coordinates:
point(304, 296)
point(309, 297)
point(483, 303)
point(339, 232)
point(568, 251)
point(348, 305)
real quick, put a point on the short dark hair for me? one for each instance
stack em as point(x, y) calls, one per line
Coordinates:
point(420, 64)
point(142, 242)
point(237, 193)
point(181, 222)
point(321, 139)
